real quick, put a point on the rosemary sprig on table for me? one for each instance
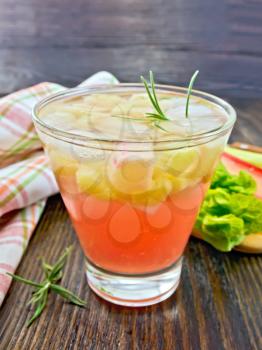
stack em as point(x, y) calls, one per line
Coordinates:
point(53, 274)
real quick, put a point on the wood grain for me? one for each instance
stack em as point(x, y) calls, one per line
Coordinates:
point(218, 303)
point(57, 41)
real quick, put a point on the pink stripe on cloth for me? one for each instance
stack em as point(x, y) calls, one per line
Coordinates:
point(12, 128)
point(18, 116)
point(12, 247)
point(31, 180)
point(26, 179)
point(11, 233)
point(5, 280)
point(6, 267)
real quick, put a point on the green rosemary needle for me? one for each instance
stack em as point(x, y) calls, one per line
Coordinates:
point(189, 91)
point(53, 273)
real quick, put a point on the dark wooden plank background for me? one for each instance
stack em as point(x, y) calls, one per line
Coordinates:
point(218, 304)
point(66, 41)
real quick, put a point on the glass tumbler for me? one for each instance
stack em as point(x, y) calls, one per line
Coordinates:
point(133, 200)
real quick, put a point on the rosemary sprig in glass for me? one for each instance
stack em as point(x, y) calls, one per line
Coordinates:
point(53, 274)
point(158, 114)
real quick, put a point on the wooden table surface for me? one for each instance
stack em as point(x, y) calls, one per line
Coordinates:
point(218, 304)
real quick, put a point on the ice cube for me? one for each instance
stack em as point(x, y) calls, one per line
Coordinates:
point(59, 120)
point(131, 172)
point(172, 102)
point(122, 109)
point(135, 130)
point(90, 179)
point(104, 101)
point(205, 123)
point(106, 125)
point(161, 187)
point(140, 112)
point(180, 162)
point(139, 100)
point(195, 110)
point(77, 110)
point(209, 156)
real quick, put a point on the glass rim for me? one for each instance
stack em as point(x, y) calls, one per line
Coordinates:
point(76, 138)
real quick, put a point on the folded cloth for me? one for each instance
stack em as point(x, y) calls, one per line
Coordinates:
point(25, 177)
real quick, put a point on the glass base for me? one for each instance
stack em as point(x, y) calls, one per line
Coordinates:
point(134, 290)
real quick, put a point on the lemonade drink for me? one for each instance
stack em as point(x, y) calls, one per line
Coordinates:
point(133, 189)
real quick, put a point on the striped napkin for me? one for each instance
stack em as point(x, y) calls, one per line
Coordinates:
point(25, 177)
